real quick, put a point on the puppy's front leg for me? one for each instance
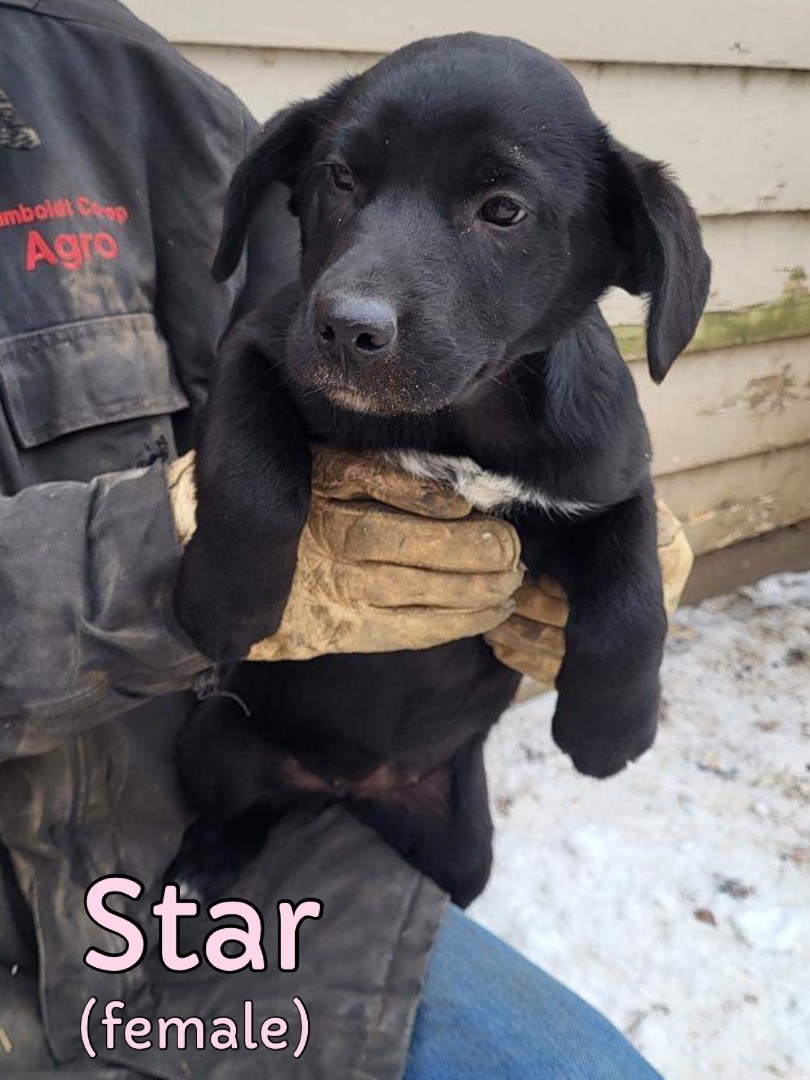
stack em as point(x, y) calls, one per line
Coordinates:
point(253, 488)
point(609, 685)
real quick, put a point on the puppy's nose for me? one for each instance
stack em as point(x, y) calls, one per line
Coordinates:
point(365, 326)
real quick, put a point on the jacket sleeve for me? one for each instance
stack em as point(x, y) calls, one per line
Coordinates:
point(87, 570)
point(86, 579)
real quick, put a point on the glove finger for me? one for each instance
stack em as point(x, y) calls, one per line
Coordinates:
point(543, 669)
point(386, 586)
point(363, 533)
point(668, 524)
point(348, 477)
point(423, 628)
point(526, 635)
point(183, 495)
point(379, 630)
point(535, 601)
point(676, 560)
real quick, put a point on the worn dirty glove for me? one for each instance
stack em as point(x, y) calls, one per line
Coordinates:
point(532, 641)
point(385, 562)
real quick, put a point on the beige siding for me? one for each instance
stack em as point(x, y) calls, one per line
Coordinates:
point(728, 404)
point(731, 136)
point(723, 504)
point(267, 79)
point(755, 259)
point(743, 33)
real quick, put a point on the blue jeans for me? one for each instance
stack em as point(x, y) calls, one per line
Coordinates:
point(487, 1013)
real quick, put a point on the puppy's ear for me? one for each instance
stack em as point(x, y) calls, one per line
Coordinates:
point(277, 152)
point(661, 252)
point(276, 157)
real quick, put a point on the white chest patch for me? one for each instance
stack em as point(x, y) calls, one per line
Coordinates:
point(486, 491)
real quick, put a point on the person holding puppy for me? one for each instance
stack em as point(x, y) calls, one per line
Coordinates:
point(115, 156)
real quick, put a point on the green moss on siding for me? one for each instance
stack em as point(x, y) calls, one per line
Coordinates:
point(785, 318)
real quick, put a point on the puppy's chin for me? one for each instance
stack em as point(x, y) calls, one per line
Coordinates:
point(390, 390)
point(354, 400)
point(361, 402)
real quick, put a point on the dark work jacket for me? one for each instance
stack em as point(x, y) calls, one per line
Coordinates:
point(114, 154)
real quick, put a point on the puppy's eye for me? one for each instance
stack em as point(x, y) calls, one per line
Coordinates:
point(502, 211)
point(341, 176)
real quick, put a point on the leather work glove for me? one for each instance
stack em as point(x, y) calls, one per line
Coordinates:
point(532, 640)
point(385, 561)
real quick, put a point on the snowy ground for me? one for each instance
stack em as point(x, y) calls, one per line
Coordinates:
point(676, 896)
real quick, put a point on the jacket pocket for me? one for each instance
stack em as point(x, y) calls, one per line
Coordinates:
point(81, 375)
point(85, 398)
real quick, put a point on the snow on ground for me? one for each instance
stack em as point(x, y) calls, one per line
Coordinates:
point(676, 896)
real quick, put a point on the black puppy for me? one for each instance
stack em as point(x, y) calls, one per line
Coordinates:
point(461, 212)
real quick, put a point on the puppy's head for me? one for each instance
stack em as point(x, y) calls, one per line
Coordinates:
point(460, 205)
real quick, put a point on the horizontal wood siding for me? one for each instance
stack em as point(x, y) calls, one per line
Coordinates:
point(756, 259)
point(740, 33)
point(726, 503)
point(728, 404)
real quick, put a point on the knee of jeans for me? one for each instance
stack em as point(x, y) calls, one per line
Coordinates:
point(481, 993)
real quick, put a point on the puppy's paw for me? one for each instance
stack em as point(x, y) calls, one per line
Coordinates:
point(210, 606)
point(602, 742)
point(223, 641)
point(213, 856)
